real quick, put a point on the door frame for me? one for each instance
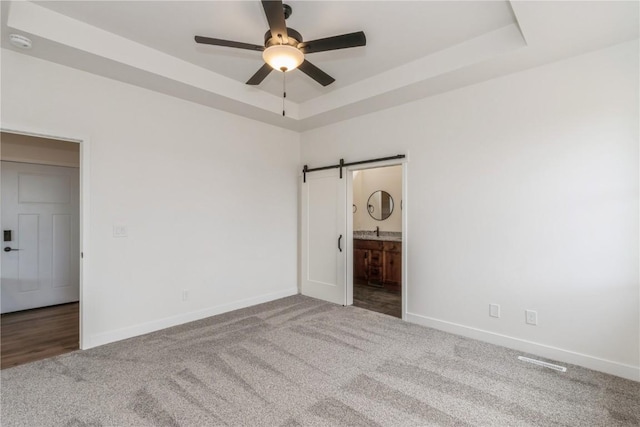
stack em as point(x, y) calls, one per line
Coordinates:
point(405, 235)
point(84, 143)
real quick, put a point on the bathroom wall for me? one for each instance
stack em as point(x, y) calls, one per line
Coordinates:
point(365, 182)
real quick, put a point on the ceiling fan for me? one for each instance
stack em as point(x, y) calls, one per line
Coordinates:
point(284, 49)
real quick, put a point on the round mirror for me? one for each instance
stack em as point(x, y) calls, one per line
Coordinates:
point(380, 205)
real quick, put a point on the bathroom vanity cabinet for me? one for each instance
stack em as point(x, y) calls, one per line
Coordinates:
point(378, 262)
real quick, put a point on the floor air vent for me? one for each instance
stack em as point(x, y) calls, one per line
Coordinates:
point(545, 364)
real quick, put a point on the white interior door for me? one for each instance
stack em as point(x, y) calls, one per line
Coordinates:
point(40, 248)
point(324, 236)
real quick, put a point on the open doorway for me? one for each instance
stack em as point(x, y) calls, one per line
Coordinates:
point(377, 239)
point(40, 283)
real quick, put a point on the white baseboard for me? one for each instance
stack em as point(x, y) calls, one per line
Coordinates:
point(607, 366)
point(156, 325)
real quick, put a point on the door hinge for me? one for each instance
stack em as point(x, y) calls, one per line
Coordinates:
point(81, 254)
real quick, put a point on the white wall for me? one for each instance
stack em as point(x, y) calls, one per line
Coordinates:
point(367, 181)
point(522, 191)
point(29, 149)
point(209, 198)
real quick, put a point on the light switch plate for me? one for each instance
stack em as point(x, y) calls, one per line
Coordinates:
point(119, 231)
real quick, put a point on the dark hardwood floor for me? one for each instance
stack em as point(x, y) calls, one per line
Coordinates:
point(377, 299)
point(30, 335)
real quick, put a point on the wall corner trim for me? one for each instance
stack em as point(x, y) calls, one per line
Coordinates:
point(602, 365)
point(167, 322)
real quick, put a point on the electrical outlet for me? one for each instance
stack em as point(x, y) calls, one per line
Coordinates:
point(494, 310)
point(185, 295)
point(531, 317)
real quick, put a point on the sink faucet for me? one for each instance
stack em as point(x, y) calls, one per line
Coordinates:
point(377, 231)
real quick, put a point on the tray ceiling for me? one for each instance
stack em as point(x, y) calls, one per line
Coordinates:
point(414, 48)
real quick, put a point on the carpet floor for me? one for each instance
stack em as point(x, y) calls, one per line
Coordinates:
point(302, 362)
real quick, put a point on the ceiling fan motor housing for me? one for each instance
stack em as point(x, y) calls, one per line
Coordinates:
point(294, 38)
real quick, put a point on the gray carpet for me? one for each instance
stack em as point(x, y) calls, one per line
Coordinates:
point(302, 362)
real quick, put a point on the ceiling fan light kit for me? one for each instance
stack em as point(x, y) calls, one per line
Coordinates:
point(284, 48)
point(283, 57)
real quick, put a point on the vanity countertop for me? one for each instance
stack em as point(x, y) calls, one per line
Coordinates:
point(386, 236)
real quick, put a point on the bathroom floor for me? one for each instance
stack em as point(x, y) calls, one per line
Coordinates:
point(377, 299)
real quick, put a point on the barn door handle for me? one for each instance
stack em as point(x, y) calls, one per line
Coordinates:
point(339, 239)
point(8, 249)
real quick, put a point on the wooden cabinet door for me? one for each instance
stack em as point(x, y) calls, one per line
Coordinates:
point(375, 267)
point(392, 268)
point(360, 264)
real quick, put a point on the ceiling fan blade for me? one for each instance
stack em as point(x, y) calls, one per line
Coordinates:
point(260, 75)
point(275, 17)
point(332, 43)
point(228, 43)
point(316, 73)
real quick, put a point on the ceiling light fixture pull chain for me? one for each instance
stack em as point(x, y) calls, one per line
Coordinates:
point(284, 80)
point(284, 87)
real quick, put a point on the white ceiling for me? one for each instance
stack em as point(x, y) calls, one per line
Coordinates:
point(414, 48)
point(425, 27)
